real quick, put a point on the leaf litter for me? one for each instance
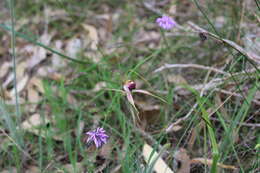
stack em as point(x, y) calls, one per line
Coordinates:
point(39, 64)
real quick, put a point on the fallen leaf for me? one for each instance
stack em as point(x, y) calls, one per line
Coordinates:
point(152, 158)
point(20, 86)
point(99, 86)
point(176, 79)
point(78, 167)
point(92, 35)
point(34, 121)
point(105, 151)
point(209, 162)
point(20, 70)
point(38, 53)
point(72, 100)
point(73, 47)
point(184, 159)
point(4, 69)
point(33, 124)
point(12, 169)
point(33, 96)
point(37, 83)
point(57, 61)
point(33, 169)
point(148, 113)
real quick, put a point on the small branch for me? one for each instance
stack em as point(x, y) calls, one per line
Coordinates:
point(236, 95)
point(167, 66)
point(242, 124)
point(180, 120)
point(250, 55)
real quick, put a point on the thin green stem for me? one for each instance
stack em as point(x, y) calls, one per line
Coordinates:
point(13, 43)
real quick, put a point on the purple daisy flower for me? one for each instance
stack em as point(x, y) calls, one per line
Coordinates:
point(166, 22)
point(98, 136)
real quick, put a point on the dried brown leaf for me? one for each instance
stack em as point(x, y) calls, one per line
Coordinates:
point(176, 79)
point(20, 69)
point(57, 62)
point(182, 157)
point(33, 95)
point(99, 86)
point(33, 124)
point(92, 35)
point(38, 53)
point(20, 86)
point(37, 83)
point(73, 47)
point(70, 168)
point(209, 162)
point(4, 69)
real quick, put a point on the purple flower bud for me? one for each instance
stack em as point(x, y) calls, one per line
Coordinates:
point(98, 136)
point(130, 85)
point(166, 22)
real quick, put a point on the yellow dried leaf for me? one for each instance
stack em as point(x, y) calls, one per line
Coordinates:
point(210, 161)
point(151, 156)
point(34, 122)
point(20, 86)
point(33, 96)
point(92, 35)
point(4, 69)
point(38, 83)
point(176, 79)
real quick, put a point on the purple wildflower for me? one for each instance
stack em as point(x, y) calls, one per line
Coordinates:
point(129, 85)
point(166, 22)
point(98, 136)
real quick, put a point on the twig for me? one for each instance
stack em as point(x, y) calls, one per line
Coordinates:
point(180, 120)
point(232, 44)
point(216, 81)
point(242, 124)
point(166, 66)
point(235, 94)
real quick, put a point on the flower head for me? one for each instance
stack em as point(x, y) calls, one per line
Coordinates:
point(129, 85)
point(166, 22)
point(98, 136)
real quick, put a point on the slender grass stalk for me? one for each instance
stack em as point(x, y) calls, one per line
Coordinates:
point(13, 43)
